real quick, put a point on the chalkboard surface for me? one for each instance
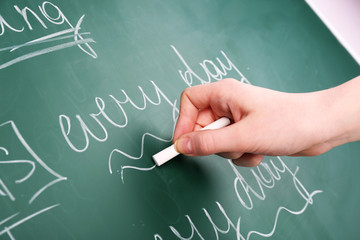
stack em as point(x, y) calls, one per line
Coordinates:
point(89, 91)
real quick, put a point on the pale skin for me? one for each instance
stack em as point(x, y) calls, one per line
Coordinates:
point(266, 122)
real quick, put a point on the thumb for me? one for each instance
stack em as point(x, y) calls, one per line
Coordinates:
point(207, 142)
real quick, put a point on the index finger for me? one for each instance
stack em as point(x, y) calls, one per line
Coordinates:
point(192, 100)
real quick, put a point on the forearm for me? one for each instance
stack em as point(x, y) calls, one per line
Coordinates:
point(344, 105)
point(267, 122)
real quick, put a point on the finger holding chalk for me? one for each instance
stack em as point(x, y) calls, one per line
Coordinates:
point(168, 153)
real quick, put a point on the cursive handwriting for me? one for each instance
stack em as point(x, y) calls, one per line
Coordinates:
point(32, 163)
point(210, 68)
point(275, 175)
point(213, 70)
point(72, 32)
point(66, 123)
point(244, 191)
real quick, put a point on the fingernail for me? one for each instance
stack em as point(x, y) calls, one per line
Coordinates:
point(183, 145)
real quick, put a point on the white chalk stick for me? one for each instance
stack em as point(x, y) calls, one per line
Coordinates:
point(168, 153)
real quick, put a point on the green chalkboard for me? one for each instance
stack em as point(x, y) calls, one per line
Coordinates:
point(89, 91)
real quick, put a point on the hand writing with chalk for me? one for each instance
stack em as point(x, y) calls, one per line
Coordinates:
point(168, 153)
point(266, 122)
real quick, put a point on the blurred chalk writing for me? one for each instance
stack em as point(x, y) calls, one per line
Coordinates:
point(24, 176)
point(46, 14)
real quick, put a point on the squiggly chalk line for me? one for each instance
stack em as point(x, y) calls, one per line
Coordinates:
point(277, 217)
point(236, 227)
point(175, 110)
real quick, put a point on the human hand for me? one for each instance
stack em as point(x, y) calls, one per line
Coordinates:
point(265, 122)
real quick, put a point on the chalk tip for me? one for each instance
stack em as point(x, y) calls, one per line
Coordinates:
point(165, 155)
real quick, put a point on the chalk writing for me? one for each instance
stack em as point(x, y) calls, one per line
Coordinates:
point(10, 129)
point(65, 121)
point(275, 175)
point(7, 229)
point(211, 70)
point(59, 19)
point(273, 170)
point(221, 68)
point(30, 164)
point(65, 124)
point(33, 164)
point(244, 192)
